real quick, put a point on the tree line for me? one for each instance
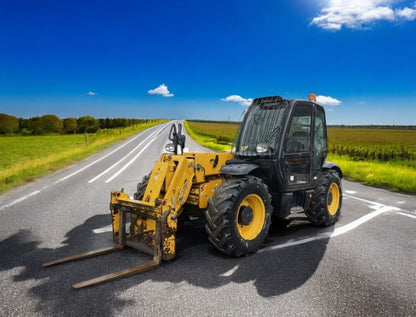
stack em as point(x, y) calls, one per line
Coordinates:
point(50, 123)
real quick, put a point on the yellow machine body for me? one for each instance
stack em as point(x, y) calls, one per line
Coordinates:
point(175, 180)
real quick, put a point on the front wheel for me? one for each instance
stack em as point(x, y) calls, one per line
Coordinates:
point(141, 187)
point(239, 215)
point(326, 204)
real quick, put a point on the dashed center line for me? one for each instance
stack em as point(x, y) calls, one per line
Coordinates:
point(125, 157)
point(130, 162)
point(96, 161)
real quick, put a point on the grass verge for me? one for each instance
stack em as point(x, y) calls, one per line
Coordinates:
point(396, 175)
point(25, 158)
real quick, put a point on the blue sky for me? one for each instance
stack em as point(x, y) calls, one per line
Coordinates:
point(207, 59)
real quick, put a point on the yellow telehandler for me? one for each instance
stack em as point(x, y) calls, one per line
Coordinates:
point(277, 166)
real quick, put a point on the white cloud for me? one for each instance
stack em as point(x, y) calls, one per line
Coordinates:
point(236, 98)
point(161, 90)
point(91, 93)
point(406, 13)
point(359, 14)
point(327, 101)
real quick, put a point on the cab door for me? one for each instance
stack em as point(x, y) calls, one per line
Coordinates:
point(297, 149)
point(320, 145)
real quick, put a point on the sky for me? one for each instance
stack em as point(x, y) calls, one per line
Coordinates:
point(200, 59)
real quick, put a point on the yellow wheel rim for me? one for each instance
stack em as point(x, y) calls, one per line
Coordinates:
point(250, 217)
point(333, 199)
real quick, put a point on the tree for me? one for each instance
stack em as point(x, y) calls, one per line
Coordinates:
point(8, 124)
point(50, 123)
point(34, 125)
point(101, 123)
point(87, 124)
point(70, 125)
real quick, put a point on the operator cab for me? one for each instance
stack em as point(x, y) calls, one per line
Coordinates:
point(286, 139)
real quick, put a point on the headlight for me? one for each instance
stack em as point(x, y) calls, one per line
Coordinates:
point(262, 148)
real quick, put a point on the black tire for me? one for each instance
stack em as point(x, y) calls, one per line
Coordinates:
point(141, 188)
point(325, 207)
point(239, 215)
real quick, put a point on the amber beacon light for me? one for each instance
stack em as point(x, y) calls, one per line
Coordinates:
point(312, 97)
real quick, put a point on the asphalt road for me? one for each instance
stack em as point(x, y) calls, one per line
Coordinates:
point(362, 266)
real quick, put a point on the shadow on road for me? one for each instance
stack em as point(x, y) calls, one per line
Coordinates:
point(273, 272)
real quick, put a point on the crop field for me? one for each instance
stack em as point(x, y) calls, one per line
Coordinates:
point(373, 144)
point(25, 157)
point(378, 157)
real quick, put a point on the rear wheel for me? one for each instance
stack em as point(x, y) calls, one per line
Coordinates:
point(325, 207)
point(239, 215)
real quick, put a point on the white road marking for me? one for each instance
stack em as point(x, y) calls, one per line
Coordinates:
point(130, 162)
point(125, 157)
point(372, 204)
point(356, 223)
point(351, 192)
point(407, 215)
point(14, 202)
point(96, 161)
point(380, 209)
point(230, 272)
point(104, 229)
point(108, 154)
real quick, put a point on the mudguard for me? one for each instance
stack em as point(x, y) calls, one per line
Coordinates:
point(238, 169)
point(333, 166)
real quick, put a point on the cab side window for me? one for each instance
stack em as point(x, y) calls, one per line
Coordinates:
point(299, 136)
point(319, 142)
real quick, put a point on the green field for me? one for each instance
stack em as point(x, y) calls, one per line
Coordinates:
point(379, 157)
point(24, 158)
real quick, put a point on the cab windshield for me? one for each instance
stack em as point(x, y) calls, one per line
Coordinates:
point(259, 134)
